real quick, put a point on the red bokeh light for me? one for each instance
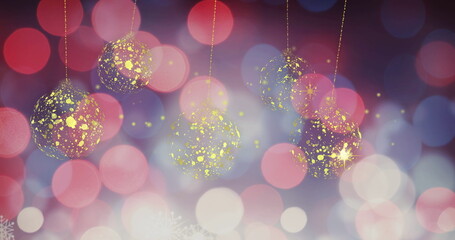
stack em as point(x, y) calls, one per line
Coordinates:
point(11, 197)
point(84, 48)
point(170, 68)
point(26, 50)
point(435, 63)
point(124, 169)
point(76, 183)
point(14, 132)
point(113, 114)
point(13, 168)
point(200, 22)
point(284, 166)
point(51, 16)
point(111, 19)
point(430, 206)
point(261, 203)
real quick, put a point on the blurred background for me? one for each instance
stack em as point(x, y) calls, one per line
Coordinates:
point(398, 56)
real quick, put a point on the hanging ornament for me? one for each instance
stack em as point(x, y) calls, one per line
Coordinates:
point(196, 232)
point(67, 122)
point(278, 77)
point(328, 153)
point(125, 65)
point(205, 146)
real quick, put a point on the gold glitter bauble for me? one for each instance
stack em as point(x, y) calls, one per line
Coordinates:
point(125, 65)
point(205, 146)
point(328, 153)
point(67, 122)
point(277, 78)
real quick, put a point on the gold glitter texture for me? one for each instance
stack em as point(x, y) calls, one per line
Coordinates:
point(328, 153)
point(125, 66)
point(204, 147)
point(67, 122)
point(277, 78)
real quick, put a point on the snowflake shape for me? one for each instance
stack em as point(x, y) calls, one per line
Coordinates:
point(6, 229)
point(196, 232)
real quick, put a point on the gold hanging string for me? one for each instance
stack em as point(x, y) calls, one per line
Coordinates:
point(132, 18)
point(287, 24)
point(339, 42)
point(65, 26)
point(212, 42)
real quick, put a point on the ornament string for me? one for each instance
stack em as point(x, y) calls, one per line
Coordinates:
point(337, 60)
point(132, 17)
point(65, 37)
point(212, 44)
point(287, 24)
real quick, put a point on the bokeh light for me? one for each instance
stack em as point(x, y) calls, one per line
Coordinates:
point(96, 213)
point(170, 68)
point(435, 63)
point(401, 20)
point(11, 197)
point(432, 207)
point(222, 217)
point(26, 50)
point(261, 203)
point(85, 47)
point(123, 169)
point(112, 19)
point(101, 233)
point(434, 121)
point(14, 132)
point(284, 165)
point(200, 22)
point(76, 183)
point(30, 219)
point(293, 219)
point(113, 114)
point(51, 16)
point(434, 170)
point(13, 167)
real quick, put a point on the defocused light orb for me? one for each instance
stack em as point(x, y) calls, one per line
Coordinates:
point(342, 110)
point(170, 68)
point(308, 92)
point(284, 165)
point(143, 114)
point(435, 63)
point(14, 132)
point(101, 233)
point(262, 203)
point(137, 206)
point(204, 147)
point(277, 78)
point(13, 167)
point(329, 153)
point(434, 170)
point(317, 5)
point(400, 76)
point(11, 197)
point(434, 121)
point(379, 221)
point(341, 220)
point(219, 210)
point(85, 48)
point(30, 219)
point(400, 141)
point(50, 16)
point(200, 22)
point(26, 50)
point(198, 91)
point(112, 19)
point(401, 20)
point(76, 183)
point(123, 169)
point(430, 207)
point(255, 58)
point(293, 219)
point(96, 213)
point(67, 122)
point(113, 114)
point(376, 178)
point(125, 65)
